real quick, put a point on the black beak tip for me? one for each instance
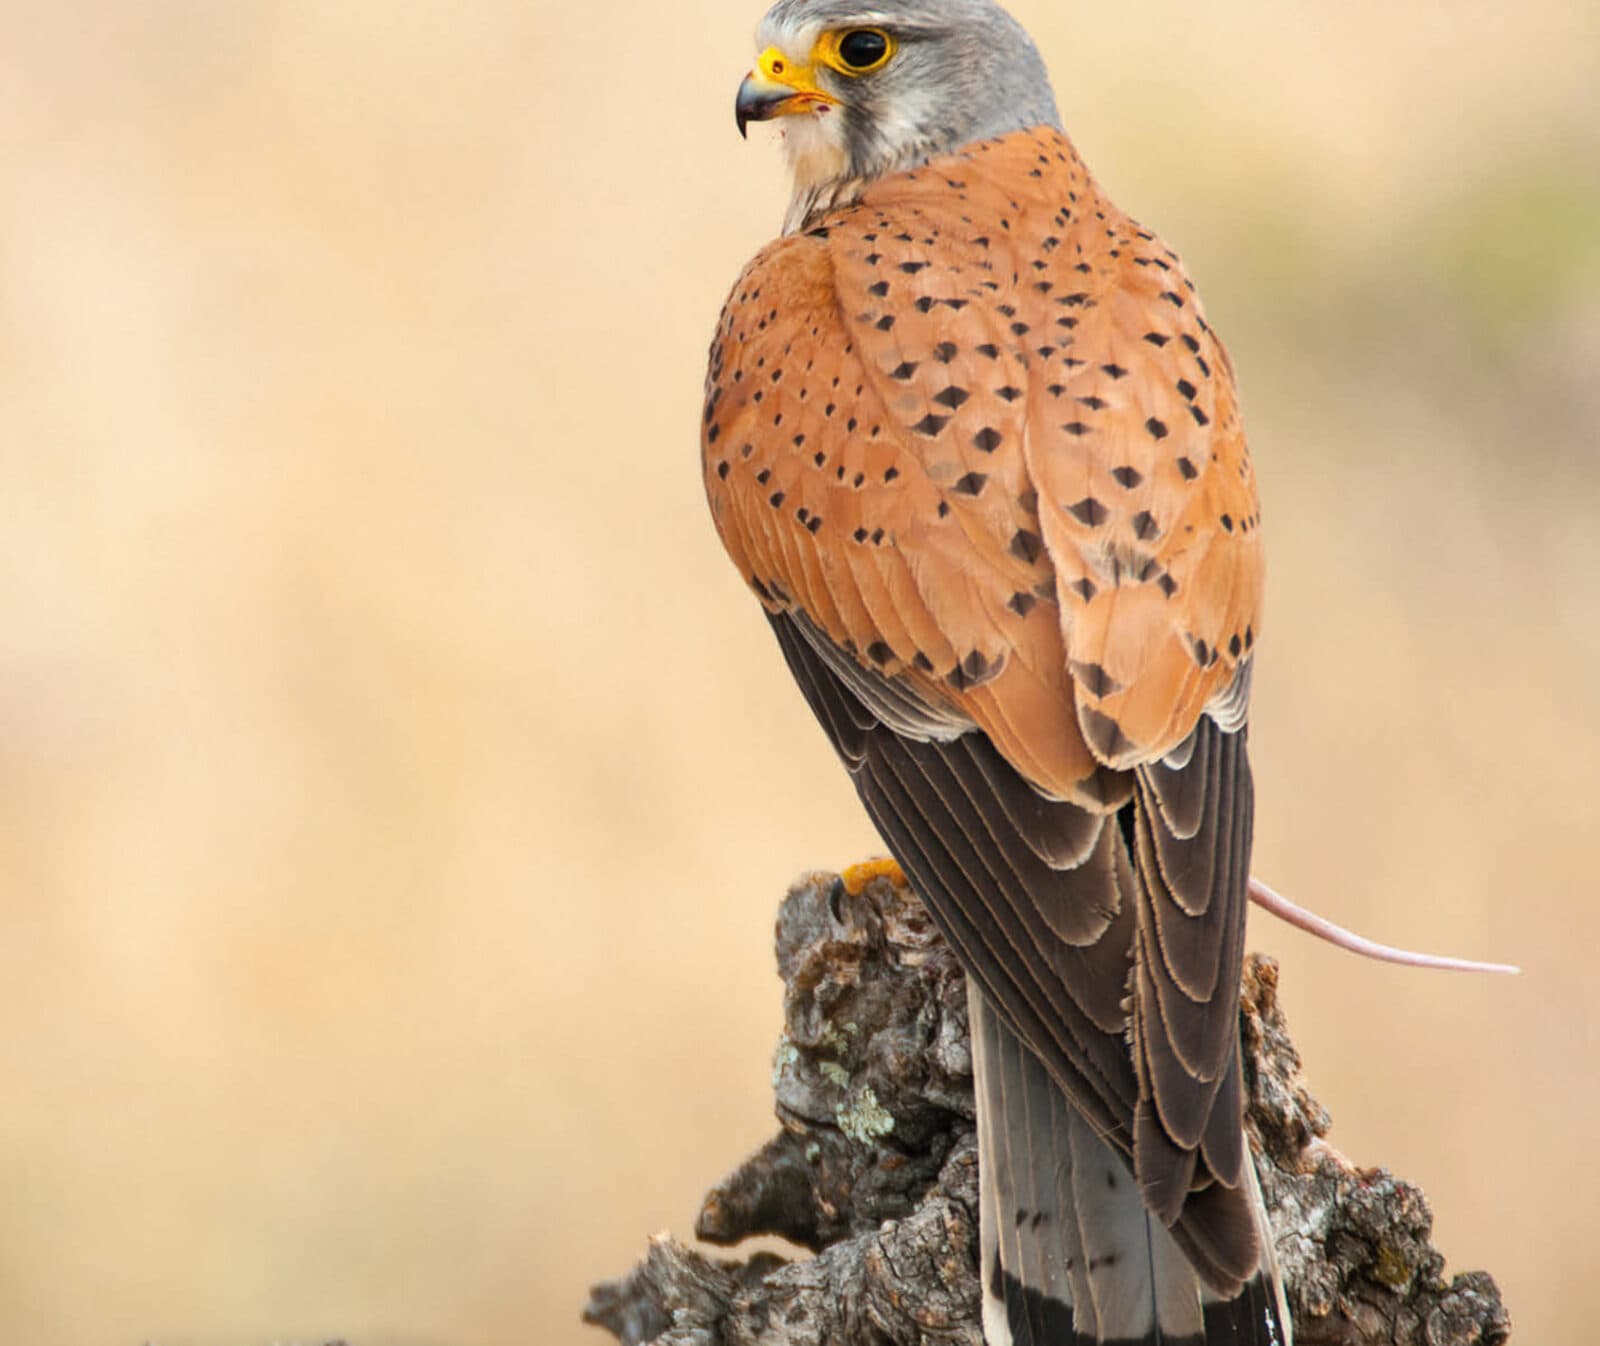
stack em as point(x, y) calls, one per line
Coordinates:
point(752, 105)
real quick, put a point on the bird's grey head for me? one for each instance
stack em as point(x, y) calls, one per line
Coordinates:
point(867, 88)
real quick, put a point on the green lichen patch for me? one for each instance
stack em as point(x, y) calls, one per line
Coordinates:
point(784, 1056)
point(863, 1118)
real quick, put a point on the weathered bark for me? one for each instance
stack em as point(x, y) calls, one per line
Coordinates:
point(875, 1170)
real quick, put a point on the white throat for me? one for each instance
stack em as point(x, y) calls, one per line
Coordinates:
point(819, 165)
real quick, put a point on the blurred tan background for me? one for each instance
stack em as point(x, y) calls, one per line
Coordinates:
point(397, 786)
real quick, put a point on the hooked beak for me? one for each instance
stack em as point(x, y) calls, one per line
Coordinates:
point(777, 87)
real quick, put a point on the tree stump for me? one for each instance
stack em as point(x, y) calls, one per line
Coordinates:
point(875, 1170)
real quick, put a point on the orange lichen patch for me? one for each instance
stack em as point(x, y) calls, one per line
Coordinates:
point(856, 877)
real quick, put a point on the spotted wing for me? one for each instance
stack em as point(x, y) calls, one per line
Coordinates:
point(866, 469)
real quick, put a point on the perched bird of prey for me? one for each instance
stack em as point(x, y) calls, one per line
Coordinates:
point(971, 441)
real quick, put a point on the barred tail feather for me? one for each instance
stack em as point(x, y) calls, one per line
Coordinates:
point(1071, 1256)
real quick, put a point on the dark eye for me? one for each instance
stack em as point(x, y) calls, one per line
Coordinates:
point(863, 49)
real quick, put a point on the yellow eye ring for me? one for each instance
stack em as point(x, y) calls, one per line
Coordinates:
point(855, 51)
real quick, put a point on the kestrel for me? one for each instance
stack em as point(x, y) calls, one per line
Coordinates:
point(971, 441)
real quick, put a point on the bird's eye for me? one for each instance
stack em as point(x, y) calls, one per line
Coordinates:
point(862, 50)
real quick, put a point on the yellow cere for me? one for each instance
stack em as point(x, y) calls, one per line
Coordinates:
point(775, 65)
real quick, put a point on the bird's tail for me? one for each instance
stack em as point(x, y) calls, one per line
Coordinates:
point(1070, 1255)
